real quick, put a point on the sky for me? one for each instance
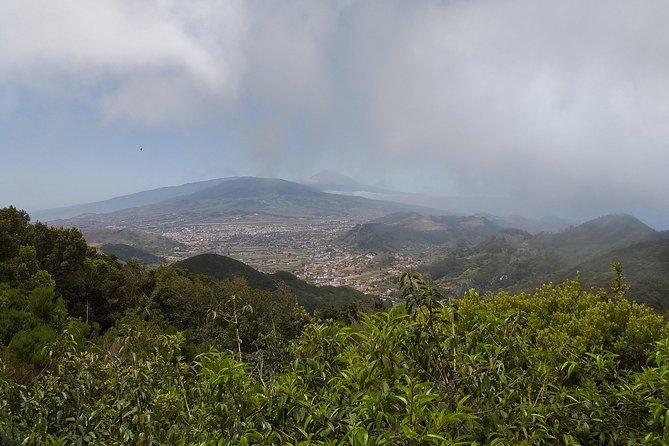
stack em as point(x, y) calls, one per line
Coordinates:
point(545, 107)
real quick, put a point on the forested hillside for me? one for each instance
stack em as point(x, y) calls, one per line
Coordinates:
point(409, 231)
point(51, 282)
point(105, 353)
point(514, 260)
point(125, 252)
point(310, 296)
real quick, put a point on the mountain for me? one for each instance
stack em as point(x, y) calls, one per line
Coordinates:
point(410, 230)
point(243, 197)
point(515, 260)
point(126, 201)
point(596, 237)
point(89, 215)
point(309, 296)
point(645, 266)
point(151, 243)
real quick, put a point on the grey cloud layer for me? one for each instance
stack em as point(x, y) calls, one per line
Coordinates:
point(564, 103)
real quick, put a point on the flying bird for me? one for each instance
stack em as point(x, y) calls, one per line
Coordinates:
point(141, 148)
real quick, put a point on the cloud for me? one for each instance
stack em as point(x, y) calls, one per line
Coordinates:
point(538, 100)
point(557, 103)
point(109, 50)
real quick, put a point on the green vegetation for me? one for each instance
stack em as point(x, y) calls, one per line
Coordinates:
point(50, 279)
point(310, 296)
point(151, 243)
point(410, 231)
point(513, 260)
point(102, 353)
point(125, 252)
point(646, 269)
point(223, 267)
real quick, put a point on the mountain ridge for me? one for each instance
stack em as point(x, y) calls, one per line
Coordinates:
point(136, 199)
point(514, 260)
point(248, 196)
point(409, 230)
point(325, 181)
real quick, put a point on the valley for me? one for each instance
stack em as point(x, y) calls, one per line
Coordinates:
point(272, 225)
point(309, 248)
point(330, 239)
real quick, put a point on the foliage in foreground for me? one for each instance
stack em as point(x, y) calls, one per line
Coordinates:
point(560, 366)
point(50, 278)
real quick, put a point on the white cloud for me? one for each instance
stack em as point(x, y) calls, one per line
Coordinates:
point(105, 46)
point(548, 99)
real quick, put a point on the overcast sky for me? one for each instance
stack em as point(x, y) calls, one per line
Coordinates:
point(554, 107)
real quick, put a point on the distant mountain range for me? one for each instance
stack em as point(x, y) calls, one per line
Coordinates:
point(234, 197)
point(408, 231)
point(482, 251)
point(126, 201)
point(337, 183)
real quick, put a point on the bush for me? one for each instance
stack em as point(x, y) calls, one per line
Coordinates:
point(30, 346)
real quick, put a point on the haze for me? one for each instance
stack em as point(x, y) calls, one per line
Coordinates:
point(543, 107)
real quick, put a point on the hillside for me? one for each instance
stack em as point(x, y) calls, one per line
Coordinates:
point(103, 352)
point(222, 267)
point(142, 198)
point(646, 268)
point(152, 243)
point(244, 197)
point(310, 296)
point(125, 253)
point(409, 230)
point(516, 260)
point(596, 237)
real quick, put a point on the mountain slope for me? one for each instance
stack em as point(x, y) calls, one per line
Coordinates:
point(515, 260)
point(126, 252)
point(409, 230)
point(645, 266)
point(152, 243)
point(222, 267)
point(126, 201)
point(310, 296)
point(246, 196)
point(596, 237)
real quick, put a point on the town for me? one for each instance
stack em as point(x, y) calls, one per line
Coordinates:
point(310, 249)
